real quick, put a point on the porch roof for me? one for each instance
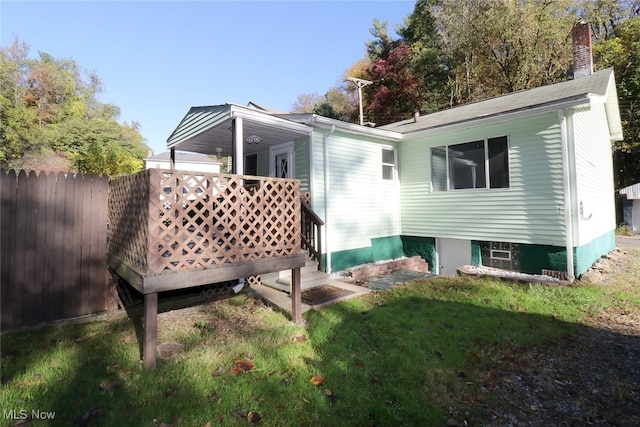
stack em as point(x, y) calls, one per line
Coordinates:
point(203, 129)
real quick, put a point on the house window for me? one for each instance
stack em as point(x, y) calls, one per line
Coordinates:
point(388, 163)
point(502, 255)
point(481, 164)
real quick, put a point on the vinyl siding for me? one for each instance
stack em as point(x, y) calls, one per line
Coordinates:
point(530, 211)
point(594, 187)
point(301, 162)
point(363, 205)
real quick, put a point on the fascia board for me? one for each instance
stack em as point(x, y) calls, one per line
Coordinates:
point(497, 118)
point(327, 123)
point(268, 119)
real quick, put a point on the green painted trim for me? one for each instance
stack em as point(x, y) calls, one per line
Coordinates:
point(341, 260)
point(382, 248)
point(425, 247)
point(476, 253)
point(586, 255)
point(387, 248)
point(535, 258)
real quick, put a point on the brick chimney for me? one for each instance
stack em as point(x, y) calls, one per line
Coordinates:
point(582, 55)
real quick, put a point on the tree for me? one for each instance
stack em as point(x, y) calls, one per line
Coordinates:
point(48, 106)
point(623, 53)
point(408, 72)
point(109, 148)
point(494, 47)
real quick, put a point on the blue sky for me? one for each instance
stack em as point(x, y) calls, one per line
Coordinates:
point(158, 58)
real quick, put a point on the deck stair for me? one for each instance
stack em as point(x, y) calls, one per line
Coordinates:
point(310, 277)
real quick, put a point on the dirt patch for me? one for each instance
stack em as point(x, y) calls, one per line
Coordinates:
point(323, 294)
point(589, 379)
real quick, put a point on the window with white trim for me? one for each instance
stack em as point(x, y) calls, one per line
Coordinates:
point(388, 163)
point(481, 164)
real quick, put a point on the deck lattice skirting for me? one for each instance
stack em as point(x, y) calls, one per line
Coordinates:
point(176, 229)
point(162, 221)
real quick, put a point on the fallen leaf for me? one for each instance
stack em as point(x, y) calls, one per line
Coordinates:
point(242, 365)
point(438, 355)
point(300, 338)
point(112, 368)
point(239, 413)
point(254, 417)
point(281, 407)
point(113, 384)
point(317, 380)
point(206, 425)
point(359, 364)
point(127, 339)
point(217, 373)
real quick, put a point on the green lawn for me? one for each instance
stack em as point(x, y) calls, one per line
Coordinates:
point(401, 357)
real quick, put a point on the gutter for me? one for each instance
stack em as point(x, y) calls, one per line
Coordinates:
point(325, 143)
point(568, 222)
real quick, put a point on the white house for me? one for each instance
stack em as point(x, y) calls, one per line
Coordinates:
point(523, 181)
point(196, 162)
point(631, 206)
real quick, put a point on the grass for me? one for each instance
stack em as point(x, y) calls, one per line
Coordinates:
point(401, 357)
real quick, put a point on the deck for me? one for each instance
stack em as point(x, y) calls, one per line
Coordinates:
point(177, 229)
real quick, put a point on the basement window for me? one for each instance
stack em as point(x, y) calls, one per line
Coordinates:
point(502, 255)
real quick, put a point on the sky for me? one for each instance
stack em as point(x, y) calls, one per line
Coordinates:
point(156, 59)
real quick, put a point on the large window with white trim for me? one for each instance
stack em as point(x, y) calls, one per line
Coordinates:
point(481, 164)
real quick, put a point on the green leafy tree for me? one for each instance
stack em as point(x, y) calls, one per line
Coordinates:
point(623, 53)
point(494, 47)
point(109, 148)
point(409, 72)
point(48, 106)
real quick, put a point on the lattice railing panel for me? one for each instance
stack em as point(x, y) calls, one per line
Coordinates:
point(128, 215)
point(305, 197)
point(199, 220)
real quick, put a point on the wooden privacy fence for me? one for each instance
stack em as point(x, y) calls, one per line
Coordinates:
point(53, 230)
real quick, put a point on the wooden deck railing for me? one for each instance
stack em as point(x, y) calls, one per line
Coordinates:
point(311, 226)
point(166, 221)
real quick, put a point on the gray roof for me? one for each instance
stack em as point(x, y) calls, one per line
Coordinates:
point(600, 83)
point(183, 157)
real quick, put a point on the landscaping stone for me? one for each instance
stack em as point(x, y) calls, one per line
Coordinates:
point(167, 350)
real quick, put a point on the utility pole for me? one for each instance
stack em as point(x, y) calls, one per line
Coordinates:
point(360, 83)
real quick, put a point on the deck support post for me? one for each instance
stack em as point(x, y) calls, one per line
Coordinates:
point(296, 300)
point(150, 330)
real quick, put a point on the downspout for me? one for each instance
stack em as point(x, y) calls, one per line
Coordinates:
point(568, 222)
point(325, 143)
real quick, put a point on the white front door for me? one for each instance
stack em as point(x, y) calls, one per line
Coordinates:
point(452, 253)
point(281, 161)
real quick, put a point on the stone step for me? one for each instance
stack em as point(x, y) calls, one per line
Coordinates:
point(307, 280)
point(309, 267)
